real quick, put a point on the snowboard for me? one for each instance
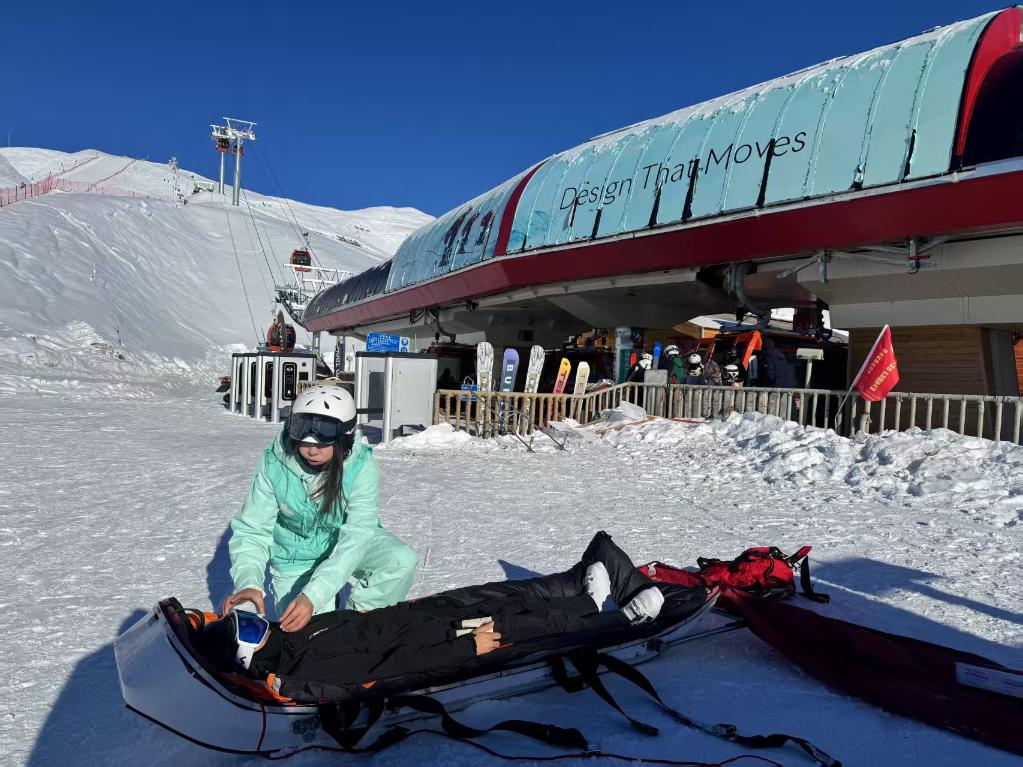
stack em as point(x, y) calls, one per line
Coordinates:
point(536, 359)
point(509, 370)
point(656, 355)
point(485, 366)
point(562, 380)
point(582, 376)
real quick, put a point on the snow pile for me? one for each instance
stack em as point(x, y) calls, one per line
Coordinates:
point(441, 436)
point(626, 412)
point(99, 292)
point(973, 476)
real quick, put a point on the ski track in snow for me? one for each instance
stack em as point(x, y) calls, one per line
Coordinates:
point(108, 506)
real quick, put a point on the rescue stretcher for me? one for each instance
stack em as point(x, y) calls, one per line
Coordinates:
point(165, 679)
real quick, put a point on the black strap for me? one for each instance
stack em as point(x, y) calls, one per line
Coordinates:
point(559, 737)
point(806, 586)
point(586, 664)
point(726, 731)
point(337, 719)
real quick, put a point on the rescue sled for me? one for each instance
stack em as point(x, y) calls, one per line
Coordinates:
point(166, 680)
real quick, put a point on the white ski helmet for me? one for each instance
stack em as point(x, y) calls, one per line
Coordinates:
point(694, 360)
point(646, 361)
point(671, 350)
point(322, 415)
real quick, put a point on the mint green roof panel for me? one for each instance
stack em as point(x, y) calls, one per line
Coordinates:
point(846, 127)
point(892, 124)
point(597, 186)
point(756, 138)
point(620, 182)
point(801, 123)
point(565, 210)
point(538, 218)
point(938, 105)
point(643, 181)
point(672, 176)
point(718, 157)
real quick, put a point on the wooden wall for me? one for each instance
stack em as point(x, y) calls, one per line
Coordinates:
point(1019, 365)
point(942, 359)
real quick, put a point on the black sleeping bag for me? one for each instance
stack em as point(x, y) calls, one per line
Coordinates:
point(344, 656)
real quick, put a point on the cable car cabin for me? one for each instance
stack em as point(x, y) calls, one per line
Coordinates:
point(281, 337)
point(223, 145)
point(301, 260)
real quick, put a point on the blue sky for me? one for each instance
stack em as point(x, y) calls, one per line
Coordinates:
point(401, 103)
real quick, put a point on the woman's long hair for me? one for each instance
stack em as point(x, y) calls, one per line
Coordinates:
point(328, 489)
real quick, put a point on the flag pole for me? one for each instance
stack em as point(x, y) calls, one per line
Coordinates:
point(866, 359)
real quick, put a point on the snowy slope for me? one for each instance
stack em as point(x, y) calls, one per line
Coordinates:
point(122, 292)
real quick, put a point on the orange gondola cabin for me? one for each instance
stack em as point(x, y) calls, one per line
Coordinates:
point(281, 336)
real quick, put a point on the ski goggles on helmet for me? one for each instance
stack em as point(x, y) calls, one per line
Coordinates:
point(317, 429)
point(250, 632)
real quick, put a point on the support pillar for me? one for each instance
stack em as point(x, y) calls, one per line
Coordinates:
point(623, 350)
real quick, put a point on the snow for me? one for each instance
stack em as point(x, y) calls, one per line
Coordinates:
point(134, 496)
point(123, 470)
point(123, 290)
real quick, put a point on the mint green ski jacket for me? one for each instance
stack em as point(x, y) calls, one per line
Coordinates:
point(282, 525)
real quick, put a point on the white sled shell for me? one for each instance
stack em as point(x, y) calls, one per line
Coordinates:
point(162, 681)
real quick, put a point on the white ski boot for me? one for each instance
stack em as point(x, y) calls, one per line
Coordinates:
point(645, 606)
point(597, 583)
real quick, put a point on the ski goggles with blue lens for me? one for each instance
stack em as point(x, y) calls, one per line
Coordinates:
point(250, 632)
point(324, 430)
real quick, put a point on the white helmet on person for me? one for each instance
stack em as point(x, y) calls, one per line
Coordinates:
point(694, 360)
point(646, 361)
point(322, 415)
point(671, 350)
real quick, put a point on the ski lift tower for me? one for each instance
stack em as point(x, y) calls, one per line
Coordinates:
point(238, 131)
point(222, 141)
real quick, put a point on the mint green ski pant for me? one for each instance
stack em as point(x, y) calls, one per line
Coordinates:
point(383, 577)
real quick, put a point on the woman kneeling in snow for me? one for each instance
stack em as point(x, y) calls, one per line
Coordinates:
point(443, 631)
point(312, 515)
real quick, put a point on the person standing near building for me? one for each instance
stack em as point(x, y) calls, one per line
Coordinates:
point(674, 365)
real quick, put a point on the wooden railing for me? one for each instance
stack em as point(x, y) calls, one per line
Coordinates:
point(486, 415)
point(492, 413)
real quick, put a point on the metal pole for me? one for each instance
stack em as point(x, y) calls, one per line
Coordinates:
point(316, 343)
point(275, 410)
point(260, 386)
point(222, 155)
point(236, 199)
point(385, 426)
point(361, 398)
point(235, 380)
point(246, 384)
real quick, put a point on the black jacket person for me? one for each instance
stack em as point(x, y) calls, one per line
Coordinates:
point(344, 648)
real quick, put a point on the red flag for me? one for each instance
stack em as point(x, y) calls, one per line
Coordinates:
point(880, 371)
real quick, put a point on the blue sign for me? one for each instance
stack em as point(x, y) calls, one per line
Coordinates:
point(382, 342)
point(469, 388)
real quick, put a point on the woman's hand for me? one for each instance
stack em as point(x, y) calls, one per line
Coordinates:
point(486, 638)
point(245, 595)
point(298, 613)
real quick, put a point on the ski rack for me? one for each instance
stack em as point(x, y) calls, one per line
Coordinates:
point(509, 422)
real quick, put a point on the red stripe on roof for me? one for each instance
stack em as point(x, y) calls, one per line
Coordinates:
point(1001, 36)
point(508, 217)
